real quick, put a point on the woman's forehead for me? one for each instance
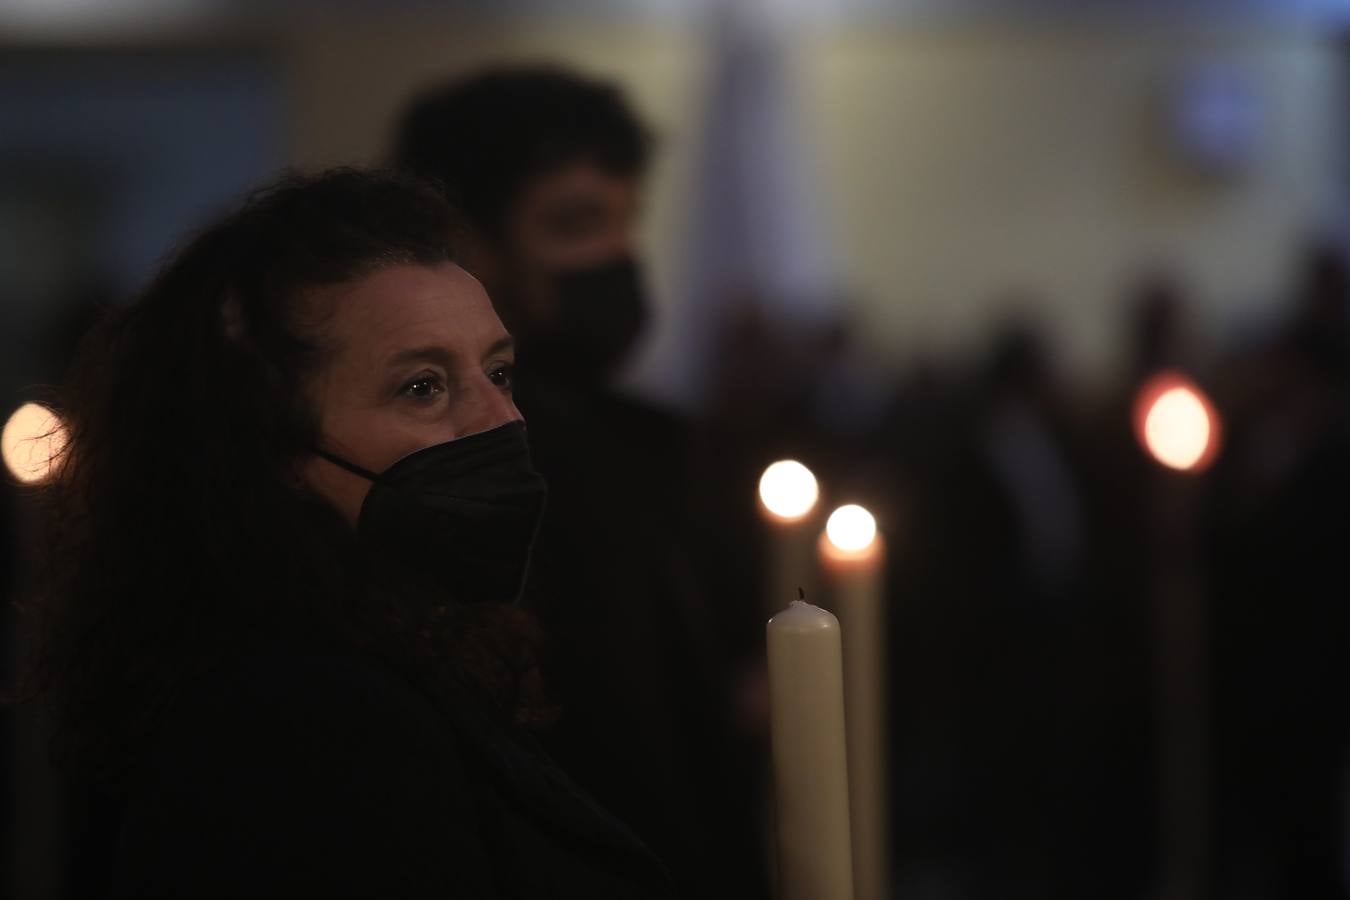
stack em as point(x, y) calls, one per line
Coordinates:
point(405, 306)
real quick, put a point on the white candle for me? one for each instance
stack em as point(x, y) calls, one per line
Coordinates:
point(787, 499)
point(1180, 427)
point(810, 762)
point(852, 558)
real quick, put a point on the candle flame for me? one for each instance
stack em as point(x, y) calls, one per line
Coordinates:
point(851, 528)
point(788, 490)
point(32, 439)
point(1176, 423)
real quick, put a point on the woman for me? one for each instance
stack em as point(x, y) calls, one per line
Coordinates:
point(292, 519)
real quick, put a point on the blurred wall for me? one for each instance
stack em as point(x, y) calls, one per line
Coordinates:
point(108, 157)
point(958, 162)
point(961, 164)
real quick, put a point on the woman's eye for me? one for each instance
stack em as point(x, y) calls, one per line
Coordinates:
point(426, 387)
point(504, 377)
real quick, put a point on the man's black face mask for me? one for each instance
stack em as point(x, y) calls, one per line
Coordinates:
point(597, 317)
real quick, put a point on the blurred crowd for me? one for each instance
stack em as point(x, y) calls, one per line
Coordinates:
point(1108, 678)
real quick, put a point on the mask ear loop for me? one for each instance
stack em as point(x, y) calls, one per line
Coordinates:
point(349, 466)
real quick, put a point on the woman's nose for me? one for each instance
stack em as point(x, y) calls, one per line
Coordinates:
point(486, 407)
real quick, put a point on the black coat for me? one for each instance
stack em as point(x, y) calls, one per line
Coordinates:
point(308, 771)
point(634, 606)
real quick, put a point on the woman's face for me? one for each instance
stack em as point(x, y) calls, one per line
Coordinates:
point(415, 357)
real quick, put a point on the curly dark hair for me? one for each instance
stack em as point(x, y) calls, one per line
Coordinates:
point(485, 137)
point(178, 525)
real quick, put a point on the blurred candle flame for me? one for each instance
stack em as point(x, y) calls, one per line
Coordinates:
point(788, 490)
point(851, 529)
point(32, 439)
point(1176, 423)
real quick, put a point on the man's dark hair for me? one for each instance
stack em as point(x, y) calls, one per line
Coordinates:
point(487, 136)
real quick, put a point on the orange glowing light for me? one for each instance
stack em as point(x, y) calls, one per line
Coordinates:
point(1176, 423)
point(851, 529)
point(788, 490)
point(32, 439)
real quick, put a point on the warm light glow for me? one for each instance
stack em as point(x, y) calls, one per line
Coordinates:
point(851, 528)
point(1176, 423)
point(31, 440)
point(788, 489)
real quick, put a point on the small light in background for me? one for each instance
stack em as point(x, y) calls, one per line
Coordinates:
point(788, 490)
point(1176, 423)
point(32, 439)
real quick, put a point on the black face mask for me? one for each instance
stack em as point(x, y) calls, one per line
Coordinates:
point(598, 315)
point(456, 518)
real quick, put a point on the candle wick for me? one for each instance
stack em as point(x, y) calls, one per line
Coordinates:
point(801, 594)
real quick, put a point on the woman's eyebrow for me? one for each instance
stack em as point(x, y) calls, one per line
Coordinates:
point(503, 344)
point(442, 356)
point(432, 353)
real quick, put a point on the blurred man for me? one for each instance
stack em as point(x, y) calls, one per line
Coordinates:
point(547, 167)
